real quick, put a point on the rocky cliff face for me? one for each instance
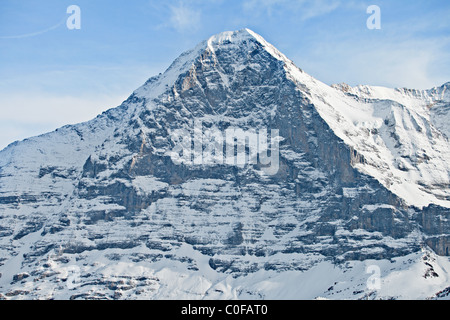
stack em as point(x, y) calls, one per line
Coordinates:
point(102, 210)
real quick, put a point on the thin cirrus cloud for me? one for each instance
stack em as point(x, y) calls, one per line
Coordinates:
point(36, 33)
point(184, 18)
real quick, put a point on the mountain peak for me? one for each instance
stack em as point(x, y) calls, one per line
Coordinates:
point(240, 36)
point(233, 36)
point(232, 41)
point(236, 36)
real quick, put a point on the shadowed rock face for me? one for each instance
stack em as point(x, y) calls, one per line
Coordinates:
point(127, 192)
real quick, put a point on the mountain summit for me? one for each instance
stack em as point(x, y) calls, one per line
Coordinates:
point(234, 174)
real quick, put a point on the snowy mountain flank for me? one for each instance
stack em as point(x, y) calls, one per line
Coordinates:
point(357, 208)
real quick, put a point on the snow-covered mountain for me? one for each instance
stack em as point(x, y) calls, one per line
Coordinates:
point(361, 189)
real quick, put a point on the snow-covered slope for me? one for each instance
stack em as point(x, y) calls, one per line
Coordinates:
point(101, 209)
point(404, 143)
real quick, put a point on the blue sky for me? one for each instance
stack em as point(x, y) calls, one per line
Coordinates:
point(51, 76)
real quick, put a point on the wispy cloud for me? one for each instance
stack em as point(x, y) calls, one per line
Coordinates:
point(184, 18)
point(312, 9)
point(36, 33)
